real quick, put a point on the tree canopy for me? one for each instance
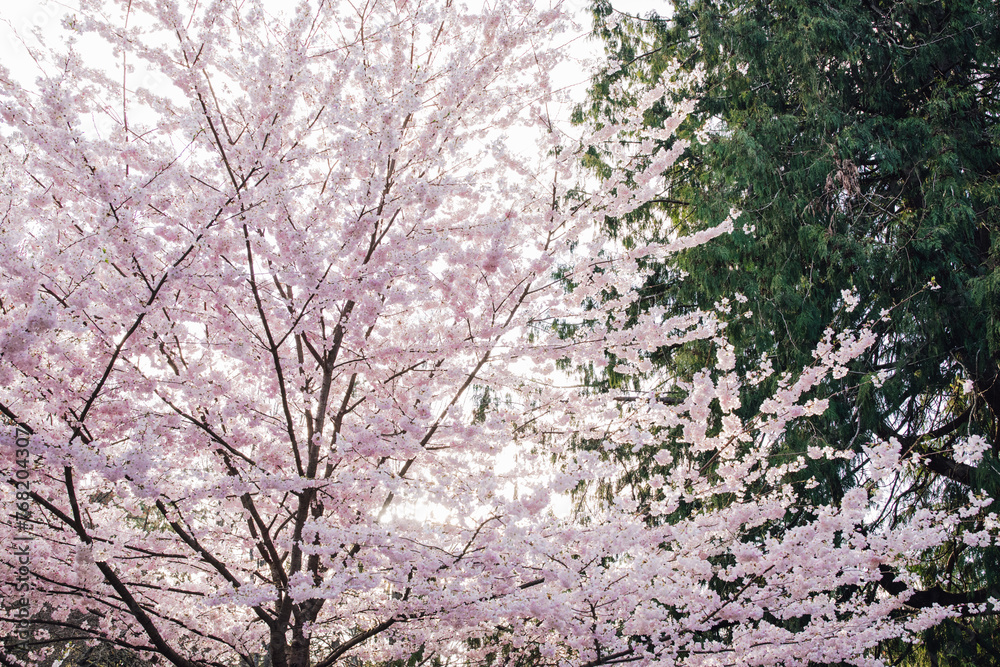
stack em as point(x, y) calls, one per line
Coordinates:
point(287, 326)
point(859, 143)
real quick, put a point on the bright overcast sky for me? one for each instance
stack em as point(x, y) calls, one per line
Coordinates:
point(20, 19)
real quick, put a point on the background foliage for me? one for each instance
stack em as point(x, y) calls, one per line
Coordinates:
point(859, 142)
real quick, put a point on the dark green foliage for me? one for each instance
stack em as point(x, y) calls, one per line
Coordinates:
point(860, 142)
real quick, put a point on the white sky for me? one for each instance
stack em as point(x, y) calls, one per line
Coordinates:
point(20, 20)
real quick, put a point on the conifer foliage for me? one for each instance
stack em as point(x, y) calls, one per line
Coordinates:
point(860, 142)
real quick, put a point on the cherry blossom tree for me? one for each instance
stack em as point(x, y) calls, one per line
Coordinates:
point(284, 318)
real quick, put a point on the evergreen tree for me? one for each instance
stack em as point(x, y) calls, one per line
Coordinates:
point(859, 142)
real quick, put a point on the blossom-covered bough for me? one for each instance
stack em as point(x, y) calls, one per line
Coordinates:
point(251, 282)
